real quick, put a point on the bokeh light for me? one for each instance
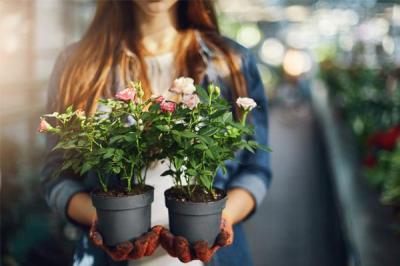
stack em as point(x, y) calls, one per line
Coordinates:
point(296, 62)
point(249, 35)
point(272, 51)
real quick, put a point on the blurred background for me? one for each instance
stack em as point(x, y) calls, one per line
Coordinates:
point(331, 70)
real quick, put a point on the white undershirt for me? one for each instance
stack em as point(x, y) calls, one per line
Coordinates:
point(161, 73)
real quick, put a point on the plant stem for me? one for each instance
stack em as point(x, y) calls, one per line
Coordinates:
point(213, 193)
point(145, 173)
point(244, 118)
point(102, 182)
point(129, 178)
point(129, 184)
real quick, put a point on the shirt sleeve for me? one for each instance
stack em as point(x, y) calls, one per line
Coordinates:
point(57, 191)
point(253, 173)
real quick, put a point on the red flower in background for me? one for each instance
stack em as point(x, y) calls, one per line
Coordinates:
point(385, 140)
point(369, 160)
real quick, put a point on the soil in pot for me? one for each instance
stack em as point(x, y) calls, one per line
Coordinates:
point(197, 218)
point(123, 216)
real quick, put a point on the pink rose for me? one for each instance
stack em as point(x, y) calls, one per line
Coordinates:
point(157, 99)
point(190, 100)
point(246, 103)
point(44, 126)
point(167, 107)
point(183, 85)
point(126, 95)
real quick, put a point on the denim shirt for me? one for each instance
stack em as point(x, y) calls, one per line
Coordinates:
point(249, 171)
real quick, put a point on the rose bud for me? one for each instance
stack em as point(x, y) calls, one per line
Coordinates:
point(44, 126)
point(217, 91)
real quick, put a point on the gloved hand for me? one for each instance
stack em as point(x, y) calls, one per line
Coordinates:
point(178, 246)
point(144, 245)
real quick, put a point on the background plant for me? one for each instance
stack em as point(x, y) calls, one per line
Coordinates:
point(368, 99)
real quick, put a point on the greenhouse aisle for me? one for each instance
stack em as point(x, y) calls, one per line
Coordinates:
point(297, 224)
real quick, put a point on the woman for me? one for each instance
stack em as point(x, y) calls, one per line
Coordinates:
point(154, 42)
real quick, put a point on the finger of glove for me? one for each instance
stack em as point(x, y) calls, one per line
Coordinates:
point(139, 248)
point(96, 238)
point(167, 242)
point(120, 252)
point(94, 235)
point(226, 235)
point(202, 251)
point(152, 243)
point(224, 238)
point(157, 229)
point(182, 249)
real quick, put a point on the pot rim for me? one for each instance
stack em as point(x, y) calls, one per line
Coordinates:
point(93, 192)
point(125, 202)
point(195, 208)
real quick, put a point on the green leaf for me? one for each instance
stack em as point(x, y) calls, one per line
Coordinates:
point(208, 131)
point(209, 154)
point(227, 117)
point(85, 167)
point(206, 182)
point(178, 162)
point(217, 114)
point(66, 165)
point(191, 172)
point(188, 134)
point(224, 170)
point(116, 170)
point(109, 153)
point(130, 138)
point(202, 93)
point(205, 139)
point(163, 128)
point(200, 146)
point(116, 138)
point(58, 146)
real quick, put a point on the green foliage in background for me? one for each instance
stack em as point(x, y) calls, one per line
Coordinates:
point(368, 99)
point(386, 175)
point(364, 97)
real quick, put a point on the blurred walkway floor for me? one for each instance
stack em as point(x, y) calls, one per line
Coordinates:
point(296, 225)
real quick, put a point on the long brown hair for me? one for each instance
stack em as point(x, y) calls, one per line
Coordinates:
point(88, 73)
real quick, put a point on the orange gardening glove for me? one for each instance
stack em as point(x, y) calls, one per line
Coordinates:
point(178, 246)
point(142, 246)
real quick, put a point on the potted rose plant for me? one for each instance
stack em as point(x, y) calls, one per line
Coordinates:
point(114, 145)
point(199, 135)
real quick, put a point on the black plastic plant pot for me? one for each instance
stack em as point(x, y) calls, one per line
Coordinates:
point(123, 218)
point(195, 220)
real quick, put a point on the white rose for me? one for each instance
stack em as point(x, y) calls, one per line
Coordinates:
point(190, 100)
point(183, 85)
point(246, 103)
